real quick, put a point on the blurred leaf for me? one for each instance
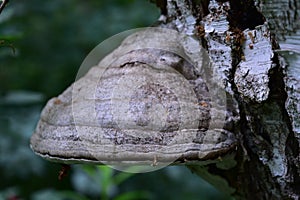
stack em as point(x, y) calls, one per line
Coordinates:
point(47, 194)
point(21, 97)
point(139, 195)
point(86, 180)
point(107, 181)
point(89, 169)
point(9, 193)
point(6, 13)
point(72, 195)
point(5, 43)
point(10, 38)
point(120, 177)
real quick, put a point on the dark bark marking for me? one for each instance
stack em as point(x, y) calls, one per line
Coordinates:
point(243, 15)
point(200, 9)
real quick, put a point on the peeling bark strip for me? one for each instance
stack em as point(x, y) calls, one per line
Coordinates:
point(263, 98)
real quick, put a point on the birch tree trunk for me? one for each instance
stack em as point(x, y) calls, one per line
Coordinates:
point(242, 38)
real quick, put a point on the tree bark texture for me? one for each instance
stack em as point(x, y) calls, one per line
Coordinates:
point(243, 38)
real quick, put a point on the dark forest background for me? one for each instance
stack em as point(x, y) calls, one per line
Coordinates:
point(42, 45)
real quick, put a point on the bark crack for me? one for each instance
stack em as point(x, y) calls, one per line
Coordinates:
point(243, 15)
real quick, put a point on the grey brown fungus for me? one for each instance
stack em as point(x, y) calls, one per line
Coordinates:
point(145, 103)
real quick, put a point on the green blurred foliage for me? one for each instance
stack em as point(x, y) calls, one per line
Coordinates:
point(52, 37)
point(42, 45)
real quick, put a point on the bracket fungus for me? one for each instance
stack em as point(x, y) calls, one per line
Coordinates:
point(150, 102)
